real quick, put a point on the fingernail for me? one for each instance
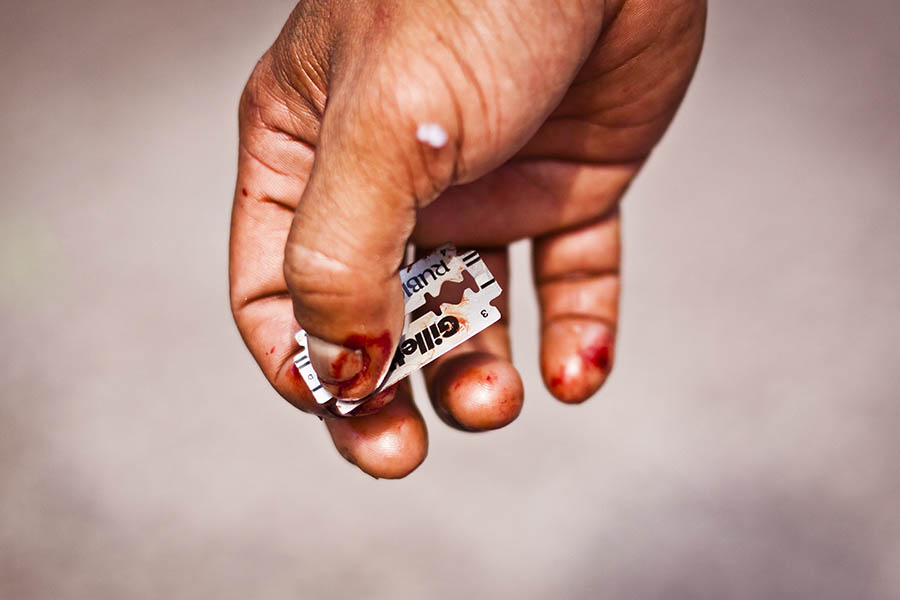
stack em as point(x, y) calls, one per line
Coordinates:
point(334, 363)
point(595, 348)
point(576, 357)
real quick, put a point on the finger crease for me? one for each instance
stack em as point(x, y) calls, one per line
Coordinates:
point(569, 316)
point(282, 203)
point(243, 146)
point(263, 297)
point(578, 275)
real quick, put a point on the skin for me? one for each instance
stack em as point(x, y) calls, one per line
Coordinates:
point(551, 109)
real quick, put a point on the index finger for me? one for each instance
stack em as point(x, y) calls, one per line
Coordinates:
point(273, 166)
point(272, 171)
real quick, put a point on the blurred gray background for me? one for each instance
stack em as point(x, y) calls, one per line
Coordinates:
point(746, 446)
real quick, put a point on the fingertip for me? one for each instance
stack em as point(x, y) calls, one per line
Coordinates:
point(353, 369)
point(389, 444)
point(477, 391)
point(375, 403)
point(576, 358)
point(334, 364)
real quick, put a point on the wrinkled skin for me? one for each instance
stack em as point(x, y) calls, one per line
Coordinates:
point(551, 110)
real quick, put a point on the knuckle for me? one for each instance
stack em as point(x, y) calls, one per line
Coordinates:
point(420, 170)
point(308, 270)
point(392, 104)
point(302, 52)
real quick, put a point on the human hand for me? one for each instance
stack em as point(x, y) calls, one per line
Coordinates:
point(550, 107)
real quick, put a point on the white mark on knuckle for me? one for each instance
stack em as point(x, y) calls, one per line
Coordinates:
point(432, 134)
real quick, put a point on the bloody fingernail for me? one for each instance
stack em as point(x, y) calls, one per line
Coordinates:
point(334, 363)
point(576, 358)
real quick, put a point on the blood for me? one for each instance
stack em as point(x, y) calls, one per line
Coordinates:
point(244, 192)
point(451, 292)
point(381, 17)
point(575, 380)
point(294, 371)
point(375, 402)
point(597, 355)
point(475, 376)
point(380, 345)
point(272, 350)
point(367, 343)
point(337, 367)
point(556, 381)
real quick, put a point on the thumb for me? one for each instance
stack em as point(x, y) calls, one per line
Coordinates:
point(391, 139)
point(349, 236)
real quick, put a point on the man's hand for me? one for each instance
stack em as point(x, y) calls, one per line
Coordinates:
point(550, 107)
